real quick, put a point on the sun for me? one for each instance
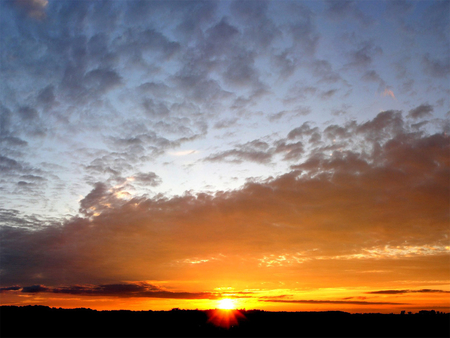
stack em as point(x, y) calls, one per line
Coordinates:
point(226, 304)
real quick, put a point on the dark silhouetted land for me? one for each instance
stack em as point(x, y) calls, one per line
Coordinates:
point(42, 321)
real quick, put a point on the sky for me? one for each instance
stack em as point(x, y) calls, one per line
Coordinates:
point(286, 155)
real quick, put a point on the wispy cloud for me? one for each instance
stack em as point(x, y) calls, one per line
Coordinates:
point(396, 292)
point(353, 302)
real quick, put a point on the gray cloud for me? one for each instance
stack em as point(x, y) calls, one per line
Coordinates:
point(354, 302)
point(399, 181)
point(363, 56)
point(397, 292)
point(125, 290)
point(421, 111)
point(342, 10)
point(255, 151)
point(149, 179)
point(439, 68)
point(32, 8)
point(324, 70)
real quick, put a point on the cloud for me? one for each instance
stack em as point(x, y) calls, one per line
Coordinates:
point(255, 151)
point(341, 10)
point(10, 288)
point(421, 111)
point(397, 292)
point(323, 69)
point(362, 57)
point(33, 8)
point(298, 111)
point(125, 290)
point(352, 200)
point(149, 179)
point(388, 92)
point(35, 289)
point(109, 88)
point(438, 68)
point(328, 94)
point(354, 302)
point(373, 76)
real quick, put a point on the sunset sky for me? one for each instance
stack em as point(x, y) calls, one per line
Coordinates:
point(285, 155)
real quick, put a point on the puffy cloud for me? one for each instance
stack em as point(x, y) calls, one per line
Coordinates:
point(98, 96)
point(347, 207)
point(150, 178)
point(33, 8)
point(341, 10)
point(324, 70)
point(255, 151)
point(439, 68)
point(421, 111)
point(362, 57)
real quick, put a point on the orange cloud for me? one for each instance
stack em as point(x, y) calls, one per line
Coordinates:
point(378, 202)
point(388, 92)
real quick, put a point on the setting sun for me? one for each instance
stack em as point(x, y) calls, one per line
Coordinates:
point(225, 156)
point(226, 304)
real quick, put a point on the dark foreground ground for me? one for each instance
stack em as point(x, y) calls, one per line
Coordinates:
point(41, 321)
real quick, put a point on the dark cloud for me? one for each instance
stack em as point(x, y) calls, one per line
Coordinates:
point(35, 289)
point(373, 76)
point(10, 288)
point(396, 292)
point(9, 165)
point(226, 123)
point(28, 113)
point(241, 71)
point(291, 151)
point(342, 10)
point(298, 111)
point(149, 179)
point(101, 80)
point(354, 302)
point(363, 199)
point(385, 124)
point(221, 38)
point(46, 95)
point(138, 289)
point(324, 71)
point(284, 63)
point(258, 26)
point(303, 130)
point(92, 201)
point(13, 141)
point(32, 8)
point(328, 94)
point(421, 111)
point(439, 68)
point(435, 19)
point(300, 92)
point(305, 37)
point(363, 56)
point(158, 110)
point(254, 151)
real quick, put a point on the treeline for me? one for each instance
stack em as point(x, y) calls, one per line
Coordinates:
point(42, 321)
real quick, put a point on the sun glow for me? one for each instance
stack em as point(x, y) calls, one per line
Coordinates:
point(226, 304)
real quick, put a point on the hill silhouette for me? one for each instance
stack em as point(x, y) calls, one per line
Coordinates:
point(42, 321)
